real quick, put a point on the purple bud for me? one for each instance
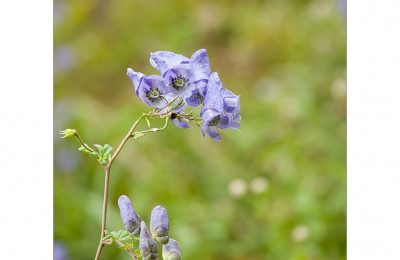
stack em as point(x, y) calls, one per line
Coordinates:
point(171, 251)
point(129, 217)
point(159, 224)
point(147, 246)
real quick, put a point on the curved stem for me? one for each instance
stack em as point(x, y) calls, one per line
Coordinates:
point(82, 143)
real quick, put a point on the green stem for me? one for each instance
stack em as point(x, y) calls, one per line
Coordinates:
point(108, 167)
point(82, 143)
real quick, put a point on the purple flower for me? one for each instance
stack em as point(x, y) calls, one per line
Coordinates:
point(59, 251)
point(183, 77)
point(129, 217)
point(220, 109)
point(159, 225)
point(150, 89)
point(135, 77)
point(171, 251)
point(147, 246)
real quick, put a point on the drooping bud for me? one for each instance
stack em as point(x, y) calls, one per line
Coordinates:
point(159, 224)
point(171, 251)
point(129, 216)
point(147, 246)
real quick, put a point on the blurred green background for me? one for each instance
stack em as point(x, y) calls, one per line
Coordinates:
point(275, 190)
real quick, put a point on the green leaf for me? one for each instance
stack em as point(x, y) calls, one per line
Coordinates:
point(123, 247)
point(143, 116)
point(138, 135)
point(106, 237)
point(137, 251)
point(108, 151)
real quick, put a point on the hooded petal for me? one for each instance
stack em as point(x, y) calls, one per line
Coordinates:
point(171, 251)
point(200, 64)
point(165, 60)
point(147, 246)
point(129, 217)
point(231, 101)
point(159, 224)
point(213, 99)
point(135, 77)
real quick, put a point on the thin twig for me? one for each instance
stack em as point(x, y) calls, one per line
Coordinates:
point(82, 143)
point(127, 249)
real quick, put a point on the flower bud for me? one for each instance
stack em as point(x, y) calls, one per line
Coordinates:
point(171, 251)
point(129, 217)
point(68, 133)
point(147, 246)
point(159, 224)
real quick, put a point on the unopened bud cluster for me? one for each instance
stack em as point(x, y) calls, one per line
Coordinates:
point(159, 228)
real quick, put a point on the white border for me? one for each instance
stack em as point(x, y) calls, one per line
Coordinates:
point(26, 185)
point(373, 181)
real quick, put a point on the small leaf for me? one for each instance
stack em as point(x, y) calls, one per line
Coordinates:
point(137, 251)
point(143, 116)
point(108, 151)
point(106, 237)
point(114, 234)
point(123, 247)
point(138, 135)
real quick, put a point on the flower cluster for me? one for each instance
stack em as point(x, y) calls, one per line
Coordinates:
point(159, 228)
point(188, 82)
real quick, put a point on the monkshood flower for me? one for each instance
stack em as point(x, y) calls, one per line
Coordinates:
point(150, 89)
point(171, 251)
point(183, 77)
point(159, 225)
point(129, 216)
point(147, 246)
point(178, 109)
point(220, 109)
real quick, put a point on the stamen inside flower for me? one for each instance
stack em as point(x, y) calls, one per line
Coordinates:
point(198, 98)
point(179, 82)
point(214, 121)
point(154, 95)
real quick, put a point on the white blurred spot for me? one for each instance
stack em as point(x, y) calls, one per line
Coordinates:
point(259, 185)
point(237, 188)
point(319, 9)
point(338, 88)
point(300, 233)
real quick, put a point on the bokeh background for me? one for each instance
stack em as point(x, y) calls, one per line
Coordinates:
point(275, 190)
